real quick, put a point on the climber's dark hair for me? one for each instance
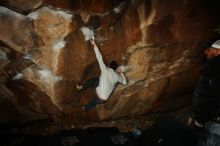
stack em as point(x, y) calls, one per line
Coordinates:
point(113, 65)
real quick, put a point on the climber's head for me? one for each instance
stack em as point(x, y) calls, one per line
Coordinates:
point(113, 65)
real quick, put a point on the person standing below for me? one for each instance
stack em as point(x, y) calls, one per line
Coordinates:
point(105, 84)
point(206, 98)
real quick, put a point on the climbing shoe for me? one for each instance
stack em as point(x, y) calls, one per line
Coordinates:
point(79, 87)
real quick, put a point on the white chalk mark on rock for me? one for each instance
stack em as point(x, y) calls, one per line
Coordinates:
point(47, 76)
point(18, 76)
point(3, 56)
point(59, 45)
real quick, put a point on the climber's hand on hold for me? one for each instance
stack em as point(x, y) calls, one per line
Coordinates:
point(93, 42)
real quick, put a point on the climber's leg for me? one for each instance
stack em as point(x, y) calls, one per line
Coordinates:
point(93, 82)
point(92, 103)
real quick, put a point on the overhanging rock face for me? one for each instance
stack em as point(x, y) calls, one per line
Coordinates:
point(47, 55)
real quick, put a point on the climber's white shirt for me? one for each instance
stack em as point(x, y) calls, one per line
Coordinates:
point(108, 78)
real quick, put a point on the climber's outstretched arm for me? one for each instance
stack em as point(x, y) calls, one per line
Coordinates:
point(98, 56)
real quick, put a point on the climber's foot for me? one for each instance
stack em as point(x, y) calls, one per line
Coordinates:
point(79, 87)
point(192, 121)
point(83, 108)
point(198, 124)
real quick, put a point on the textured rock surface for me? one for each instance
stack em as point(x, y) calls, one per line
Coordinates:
point(15, 29)
point(24, 5)
point(160, 41)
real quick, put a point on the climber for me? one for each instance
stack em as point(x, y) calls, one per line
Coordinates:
point(105, 84)
point(206, 98)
